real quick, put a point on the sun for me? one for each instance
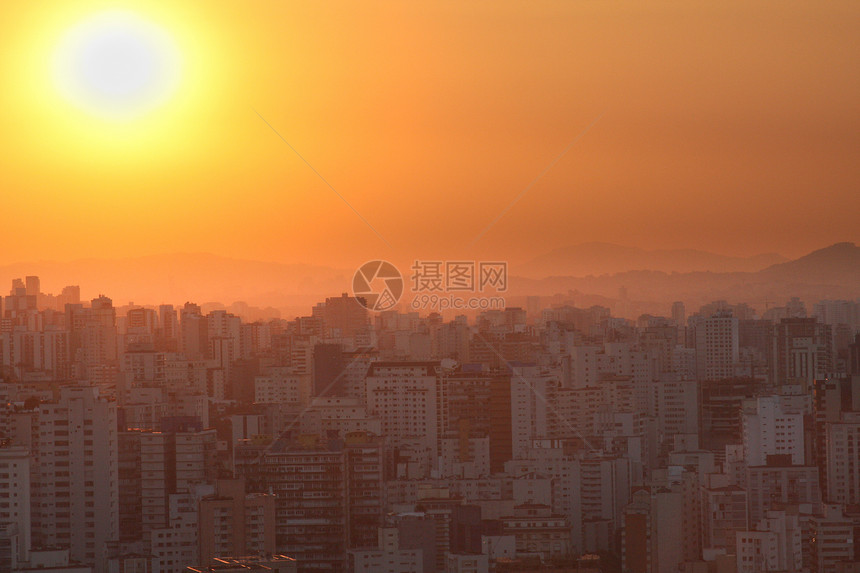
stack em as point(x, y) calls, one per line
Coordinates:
point(116, 65)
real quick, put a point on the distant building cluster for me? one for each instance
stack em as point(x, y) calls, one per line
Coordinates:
point(553, 438)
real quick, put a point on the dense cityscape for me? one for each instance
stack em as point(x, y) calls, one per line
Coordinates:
point(550, 438)
point(429, 286)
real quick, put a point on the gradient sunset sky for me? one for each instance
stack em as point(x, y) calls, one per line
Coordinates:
point(727, 126)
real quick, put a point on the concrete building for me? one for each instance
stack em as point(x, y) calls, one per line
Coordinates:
point(717, 347)
point(843, 459)
point(832, 535)
point(388, 557)
point(407, 397)
point(780, 484)
point(548, 465)
point(802, 351)
point(344, 316)
point(538, 531)
point(15, 499)
point(282, 386)
point(467, 563)
point(532, 416)
point(174, 547)
point(77, 496)
point(772, 426)
point(605, 490)
point(724, 513)
point(774, 545)
point(232, 523)
point(329, 497)
point(662, 525)
point(10, 545)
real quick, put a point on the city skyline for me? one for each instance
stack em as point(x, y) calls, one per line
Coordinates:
point(556, 286)
point(598, 273)
point(558, 437)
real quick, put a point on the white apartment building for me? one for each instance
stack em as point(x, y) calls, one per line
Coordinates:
point(404, 395)
point(77, 498)
point(771, 426)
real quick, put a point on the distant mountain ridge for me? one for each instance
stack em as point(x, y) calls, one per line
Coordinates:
point(837, 264)
point(595, 259)
point(831, 272)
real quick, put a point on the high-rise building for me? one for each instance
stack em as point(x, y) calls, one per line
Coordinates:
point(168, 328)
point(77, 498)
point(724, 513)
point(328, 370)
point(832, 538)
point(604, 486)
point(717, 347)
point(843, 459)
point(772, 426)
point(780, 484)
point(802, 351)
point(720, 404)
point(193, 333)
point(679, 313)
point(153, 465)
point(387, 556)
point(532, 413)
point(344, 316)
point(233, 523)
point(547, 460)
point(662, 526)
point(15, 498)
point(309, 481)
point(33, 286)
point(9, 547)
point(479, 405)
point(537, 530)
point(774, 545)
point(364, 477)
point(406, 397)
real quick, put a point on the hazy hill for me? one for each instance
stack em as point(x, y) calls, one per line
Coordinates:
point(832, 272)
point(836, 264)
point(606, 258)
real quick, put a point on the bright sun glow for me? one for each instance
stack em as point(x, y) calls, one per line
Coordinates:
point(116, 65)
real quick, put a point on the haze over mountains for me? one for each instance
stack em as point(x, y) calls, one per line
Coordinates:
point(588, 274)
point(607, 258)
point(829, 273)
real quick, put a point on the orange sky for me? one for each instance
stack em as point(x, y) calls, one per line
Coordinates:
point(731, 127)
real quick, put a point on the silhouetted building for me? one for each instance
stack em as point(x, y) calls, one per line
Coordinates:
point(328, 370)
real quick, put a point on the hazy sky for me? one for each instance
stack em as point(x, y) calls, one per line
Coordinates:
point(730, 126)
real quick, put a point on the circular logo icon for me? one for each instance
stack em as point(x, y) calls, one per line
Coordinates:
point(378, 285)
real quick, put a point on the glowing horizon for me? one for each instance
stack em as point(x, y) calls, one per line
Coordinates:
point(729, 128)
